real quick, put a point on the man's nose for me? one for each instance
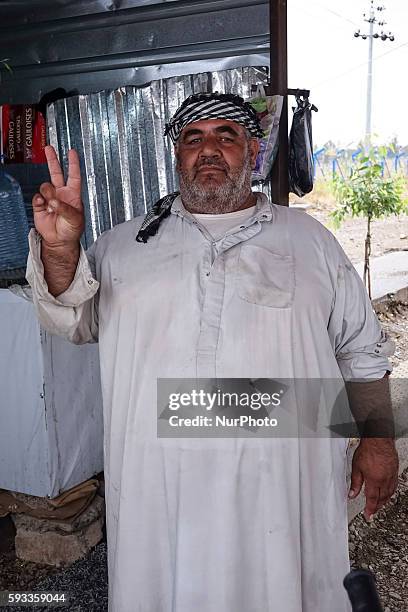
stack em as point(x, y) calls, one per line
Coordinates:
point(210, 147)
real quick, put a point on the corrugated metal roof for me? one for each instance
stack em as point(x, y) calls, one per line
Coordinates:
point(89, 46)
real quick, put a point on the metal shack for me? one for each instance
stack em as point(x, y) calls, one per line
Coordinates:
point(108, 74)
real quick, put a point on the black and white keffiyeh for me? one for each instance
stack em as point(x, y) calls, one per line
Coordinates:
point(213, 106)
point(155, 216)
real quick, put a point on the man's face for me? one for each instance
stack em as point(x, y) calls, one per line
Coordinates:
point(215, 158)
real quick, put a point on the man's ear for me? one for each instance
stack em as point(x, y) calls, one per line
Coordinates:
point(253, 145)
point(177, 156)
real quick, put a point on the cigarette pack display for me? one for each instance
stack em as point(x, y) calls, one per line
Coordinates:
point(23, 134)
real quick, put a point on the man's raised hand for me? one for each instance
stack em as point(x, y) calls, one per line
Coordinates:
point(58, 209)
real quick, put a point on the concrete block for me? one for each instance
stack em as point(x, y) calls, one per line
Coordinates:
point(59, 543)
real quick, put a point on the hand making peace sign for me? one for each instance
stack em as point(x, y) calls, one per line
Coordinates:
point(58, 209)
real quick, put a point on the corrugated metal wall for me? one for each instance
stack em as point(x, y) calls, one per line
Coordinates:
point(127, 163)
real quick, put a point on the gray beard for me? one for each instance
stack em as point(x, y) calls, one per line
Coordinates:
point(217, 199)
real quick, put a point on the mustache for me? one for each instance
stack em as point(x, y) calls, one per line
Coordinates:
point(209, 162)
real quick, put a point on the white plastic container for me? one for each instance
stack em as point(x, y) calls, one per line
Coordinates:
point(51, 423)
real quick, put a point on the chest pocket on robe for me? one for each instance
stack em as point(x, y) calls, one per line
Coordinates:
point(265, 278)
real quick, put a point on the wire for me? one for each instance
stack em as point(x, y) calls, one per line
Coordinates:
point(391, 50)
point(335, 13)
point(329, 11)
point(354, 68)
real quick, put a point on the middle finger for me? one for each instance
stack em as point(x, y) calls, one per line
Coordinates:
point(47, 191)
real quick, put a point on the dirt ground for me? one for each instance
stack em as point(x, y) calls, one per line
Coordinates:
point(16, 574)
point(387, 235)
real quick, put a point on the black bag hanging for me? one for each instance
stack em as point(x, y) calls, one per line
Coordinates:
point(301, 165)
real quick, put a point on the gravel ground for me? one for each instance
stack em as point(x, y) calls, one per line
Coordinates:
point(85, 583)
point(382, 547)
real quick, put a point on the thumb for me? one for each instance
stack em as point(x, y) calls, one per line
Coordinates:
point(357, 480)
point(71, 214)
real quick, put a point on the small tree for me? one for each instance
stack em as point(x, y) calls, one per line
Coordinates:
point(366, 193)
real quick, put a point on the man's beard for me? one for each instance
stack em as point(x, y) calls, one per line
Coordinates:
point(213, 198)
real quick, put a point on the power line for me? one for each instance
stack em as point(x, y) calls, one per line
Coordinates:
point(405, 44)
point(334, 13)
point(342, 17)
point(339, 76)
point(357, 66)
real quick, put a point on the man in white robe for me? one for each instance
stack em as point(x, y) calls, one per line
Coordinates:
point(226, 285)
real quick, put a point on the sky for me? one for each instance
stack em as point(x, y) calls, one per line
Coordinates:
point(325, 57)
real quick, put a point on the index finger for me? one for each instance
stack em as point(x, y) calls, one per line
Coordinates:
point(372, 494)
point(74, 172)
point(56, 174)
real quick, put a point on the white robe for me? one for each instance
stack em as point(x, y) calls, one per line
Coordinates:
point(219, 525)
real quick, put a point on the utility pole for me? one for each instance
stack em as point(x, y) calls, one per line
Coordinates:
point(371, 19)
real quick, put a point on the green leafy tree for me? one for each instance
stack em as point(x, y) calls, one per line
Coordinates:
point(366, 193)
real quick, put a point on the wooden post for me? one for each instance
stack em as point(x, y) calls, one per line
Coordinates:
point(278, 84)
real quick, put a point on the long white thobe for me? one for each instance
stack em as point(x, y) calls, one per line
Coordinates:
point(219, 525)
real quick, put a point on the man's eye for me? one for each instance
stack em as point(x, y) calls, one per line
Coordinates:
point(193, 141)
point(227, 139)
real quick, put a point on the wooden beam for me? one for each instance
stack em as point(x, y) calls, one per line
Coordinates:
point(278, 84)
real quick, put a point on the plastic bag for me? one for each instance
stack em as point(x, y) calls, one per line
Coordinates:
point(301, 163)
point(268, 109)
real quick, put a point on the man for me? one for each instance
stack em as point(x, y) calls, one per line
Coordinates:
point(220, 283)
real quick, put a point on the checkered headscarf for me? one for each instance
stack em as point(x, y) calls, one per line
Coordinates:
point(213, 106)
